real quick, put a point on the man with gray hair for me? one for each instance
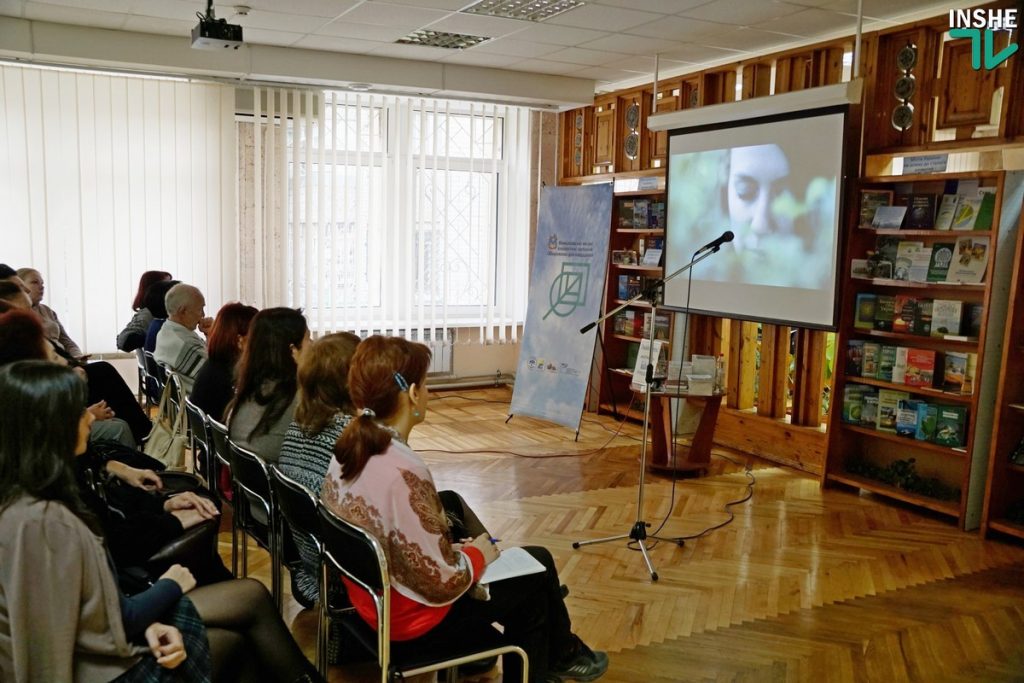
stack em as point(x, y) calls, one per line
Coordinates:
point(177, 344)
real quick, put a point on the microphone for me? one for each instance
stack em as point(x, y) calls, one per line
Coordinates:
point(716, 244)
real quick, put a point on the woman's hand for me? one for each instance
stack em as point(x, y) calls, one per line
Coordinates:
point(147, 480)
point(181, 576)
point(204, 507)
point(166, 645)
point(100, 411)
point(488, 549)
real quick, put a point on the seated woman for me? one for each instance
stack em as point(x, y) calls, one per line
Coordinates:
point(323, 412)
point(81, 628)
point(215, 384)
point(55, 331)
point(377, 482)
point(267, 391)
point(133, 336)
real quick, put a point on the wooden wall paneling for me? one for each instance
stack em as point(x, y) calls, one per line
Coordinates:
point(757, 79)
point(792, 73)
point(705, 335)
point(623, 163)
point(719, 86)
point(741, 367)
point(774, 371)
point(771, 438)
point(830, 65)
point(1013, 106)
point(965, 95)
point(603, 151)
point(575, 132)
point(667, 100)
point(809, 379)
point(691, 94)
point(879, 131)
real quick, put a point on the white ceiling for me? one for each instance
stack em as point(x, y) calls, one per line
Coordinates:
point(612, 42)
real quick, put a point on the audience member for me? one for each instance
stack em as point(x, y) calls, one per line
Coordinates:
point(81, 627)
point(133, 336)
point(55, 331)
point(323, 411)
point(177, 344)
point(155, 302)
point(267, 386)
point(215, 384)
point(379, 483)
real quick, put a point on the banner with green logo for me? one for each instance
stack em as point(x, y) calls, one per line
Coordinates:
point(566, 288)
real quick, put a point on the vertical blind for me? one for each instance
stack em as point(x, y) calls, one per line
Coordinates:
point(386, 214)
point(105, 176)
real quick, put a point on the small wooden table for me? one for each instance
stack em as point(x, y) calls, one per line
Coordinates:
point(692, 457)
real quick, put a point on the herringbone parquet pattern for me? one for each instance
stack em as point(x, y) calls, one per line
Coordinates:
point(804, 585)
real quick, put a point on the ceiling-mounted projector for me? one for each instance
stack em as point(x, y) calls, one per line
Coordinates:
point(212, 33)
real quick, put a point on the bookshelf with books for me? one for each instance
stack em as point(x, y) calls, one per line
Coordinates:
point(1004, 492)
point(919, 257)
point(635, 258)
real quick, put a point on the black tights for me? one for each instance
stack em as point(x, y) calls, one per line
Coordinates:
point(248, 639)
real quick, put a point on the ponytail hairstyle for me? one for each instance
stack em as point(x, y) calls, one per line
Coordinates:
point(43, 403)
point(382, 368)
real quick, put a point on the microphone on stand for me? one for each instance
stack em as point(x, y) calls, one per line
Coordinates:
point(716, 244)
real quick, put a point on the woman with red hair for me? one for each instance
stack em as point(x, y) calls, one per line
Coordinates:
point(215, 384)
point(133, 336)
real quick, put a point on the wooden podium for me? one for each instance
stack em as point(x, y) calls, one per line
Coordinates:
point(692, 457)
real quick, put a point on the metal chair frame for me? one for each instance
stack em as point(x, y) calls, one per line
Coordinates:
point(251, 476)
point(221, 452)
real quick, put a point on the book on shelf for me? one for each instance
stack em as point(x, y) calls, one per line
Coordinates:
point(625, 214)
point(905, 252)
point(951, 426)
point(970, 259)
point(869, 408)
point(904, 312)
point(886, 361)
point(973, 318)
point(854, 357)
point(627, 324)
point(629, 286)
point(861, 269)
point(632, 349)
point(986, 210)
point(920, 212)
point(656, 217)
point(870, 200)
point(888, 402)
point(966, 213)
point(869, 359)
point(920, 370)
point(946, 211)
point(920, 260)
point(889, 217)
point(926, 416)
point(907, 417)
point(885, 311)
point(958, 371)
point(940, 259)
point(864, 313)
point(652, 257)
point(853, 402)
point(899, 365)
point(661, 326)
point(922, 323)
point(947, 317)
point(641, 212)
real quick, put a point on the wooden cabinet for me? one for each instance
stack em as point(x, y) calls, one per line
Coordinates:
point(638, 220)
point(604, 136)
point(1004, 494)
point(910, 356)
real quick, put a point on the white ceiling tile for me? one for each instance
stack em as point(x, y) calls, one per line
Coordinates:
point(168, 9)
point(12, 8)
point(446, 5)
point(309, 8)
point(160, 26)
point(41, 11)
point(699, 54)
point(339, 44)
point(632, 45)
point(645, 64)
point(511, 47)
point(662, 6)
point(679, 29)
point(346, 29)
point(576, 55)
point(384, 14)
point(473, 58)
point(607, 73)
point(750, 40)
point(741, 12)
point(545, 67)
point(602, 18)
point(558, 35)
point(809, 23)
point(476, 25)
point(420, 52)
point(262, 36)
point(279, 21)
point(881, 9)
point(119, 6)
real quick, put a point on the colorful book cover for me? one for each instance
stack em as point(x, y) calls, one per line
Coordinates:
point(951, 426)
point(854, 357)
point(920, 212)
point(926, 416)
point(899, 365)
point(861, 269)
point(954, 371)
point(869, 409)
point(906, 417)
point(869, 359)
point(941, 258)
point(888, 402)
point(920, 261)
point(970, 259)
point(947, 317)
point(922, 324)
point(885, 311)
point(971, 373)
point(920, 370)
point(966, 213)
point(853, 402)
point(904, 312)
point(870, 200)
point(905, 252)
point(888, 217)
point(864, 314)
point(886, 361)
point(947, 209)
point(985, 211)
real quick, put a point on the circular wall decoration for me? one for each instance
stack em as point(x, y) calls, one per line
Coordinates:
point(633, 116)
point(903, 116)
point(632, 145)
point(631, 141)
point(905, 87)
point(906, 58)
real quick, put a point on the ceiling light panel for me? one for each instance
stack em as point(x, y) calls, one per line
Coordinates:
point(525, 10)
point(449, 41)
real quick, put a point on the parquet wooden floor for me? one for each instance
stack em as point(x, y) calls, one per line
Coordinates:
point(803, 585)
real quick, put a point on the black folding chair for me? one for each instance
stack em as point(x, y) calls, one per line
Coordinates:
point(154, 379)
point(359, 556)
point(200, 442)
point(254, 509)
point(143, 374)
point(220, 463)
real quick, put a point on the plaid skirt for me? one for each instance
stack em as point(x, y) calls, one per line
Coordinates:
point(197, 666)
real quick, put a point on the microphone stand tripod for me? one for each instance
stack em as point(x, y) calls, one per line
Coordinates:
point(639, 531)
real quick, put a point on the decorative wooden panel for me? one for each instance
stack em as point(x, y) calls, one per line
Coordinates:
point(705, 335)
point(772, 390)
point(719, 86)
point(576, 131)
point(757, 80)
point(628, 155)
point(668, 100)
point(965, 95)
point(604, 136)
point(809, 379)
point(741, 362)
point(809, 69)
point(690, 92)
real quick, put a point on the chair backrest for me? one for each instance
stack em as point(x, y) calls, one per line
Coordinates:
point(250, 472)
point(155, 369)
point(154, 378)
point(197, 422)
point(140, 360)
point(297, 505)
point(219, 441)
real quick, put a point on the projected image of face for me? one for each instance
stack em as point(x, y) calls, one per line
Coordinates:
point(758, 177)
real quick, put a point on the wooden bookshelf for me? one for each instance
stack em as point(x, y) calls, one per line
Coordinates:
point(918, 339)
point(923, 391)
point(947, 508)
point(904, 441)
